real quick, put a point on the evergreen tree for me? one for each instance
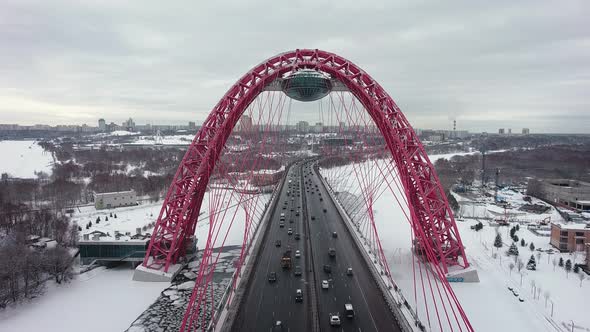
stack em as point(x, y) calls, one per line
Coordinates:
point(515, 238)
point(115, 216)
point(532, 247)
point(517, 227)
point(512, 232)
point(111, 215)
point(498, 241)
point(532, 263)
point(513, 250)
point(560, 262)
point(106, 218)
point(79, 228)
point(568, 265)
point(522, 243)
point(97, 219)
point(90, 223)
point(576, 268)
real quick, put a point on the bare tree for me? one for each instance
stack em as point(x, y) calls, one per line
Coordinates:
point(511, 267)
point(57, 263)
point(519, 265)
point(73, 235)
point(547, 295)
point(554, 263)
point(581, 276)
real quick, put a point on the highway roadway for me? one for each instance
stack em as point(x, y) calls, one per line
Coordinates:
point(359, 289)
point(266, 302)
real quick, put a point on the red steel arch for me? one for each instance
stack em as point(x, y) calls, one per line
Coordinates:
point(430, 214)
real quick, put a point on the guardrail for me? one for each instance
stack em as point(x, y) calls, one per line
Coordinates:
point(408, 321)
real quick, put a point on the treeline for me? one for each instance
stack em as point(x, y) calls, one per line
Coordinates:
point(24, 268)
point(557, 161)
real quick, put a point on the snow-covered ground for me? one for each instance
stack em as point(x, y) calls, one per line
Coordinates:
point(21, 159)
point(96, 301)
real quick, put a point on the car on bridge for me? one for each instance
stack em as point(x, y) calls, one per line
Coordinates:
point(312, 217)
point(327, 268)
point(281, 224)
point(335, 319)
point(290, 231)
point(297, 271)
point(272, 276)
point(298, 295)
point(325, 210)
point(297, 254)
point(349, 271)
point(334, 234)
point(332, 252)
point(325, 284)
point(278, 326)
point(278, 243)
point(297, 236)
point(348, 310)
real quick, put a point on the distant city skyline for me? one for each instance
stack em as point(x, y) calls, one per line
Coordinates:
point(488, 65)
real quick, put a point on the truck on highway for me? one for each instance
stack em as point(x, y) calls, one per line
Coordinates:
point(286, 259)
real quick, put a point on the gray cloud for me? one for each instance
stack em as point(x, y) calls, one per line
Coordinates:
point(487, 64)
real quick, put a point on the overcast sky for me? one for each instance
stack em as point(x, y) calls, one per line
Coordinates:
point(487, 64)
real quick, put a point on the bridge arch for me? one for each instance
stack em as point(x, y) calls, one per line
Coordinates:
point(431, 218)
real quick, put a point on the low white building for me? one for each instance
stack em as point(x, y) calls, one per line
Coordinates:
point(114, 199)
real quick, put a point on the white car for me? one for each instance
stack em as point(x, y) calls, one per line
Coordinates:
point(334, 319)
point(297, 254)
point(325, 284)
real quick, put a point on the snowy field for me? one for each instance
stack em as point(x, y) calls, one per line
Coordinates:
point(130, 218)
point(489, 304)
point(21, 159)
point(97, 301)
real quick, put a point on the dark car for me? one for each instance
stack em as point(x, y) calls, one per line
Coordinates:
point(327, 268)
point(297, 236)
point(334, 234)
point(272, 276)
point(297, 271)
point(278, 243)
point(298, 296)
point(312, 217)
